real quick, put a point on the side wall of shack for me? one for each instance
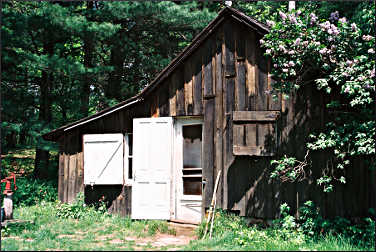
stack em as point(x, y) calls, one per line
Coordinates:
point(227, 73)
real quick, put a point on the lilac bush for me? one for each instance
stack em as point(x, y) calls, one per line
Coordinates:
point(327, 54)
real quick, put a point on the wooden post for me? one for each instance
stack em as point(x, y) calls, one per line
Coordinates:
point(291, 5)
point(8, 206)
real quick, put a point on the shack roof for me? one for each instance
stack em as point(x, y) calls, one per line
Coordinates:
point(226, 12)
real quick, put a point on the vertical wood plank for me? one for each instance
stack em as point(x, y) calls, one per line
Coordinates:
point(163, 100)
point(273, 104)
point(250, 134)
point(240, 90)
point(172, 96)
point(229, 68)
point(207, 63)
point(208, 150)
point(262, 99)
point(61, 175)
point(238, 132)
point(178, 77)
point(252, 70)
point(154, 108)
point(72, 178)
point(240, 86)
point(188, 87)
point(218, 140)
point(197, 83)
point(66, 168)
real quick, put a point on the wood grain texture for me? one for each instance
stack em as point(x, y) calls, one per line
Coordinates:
point(172, 95)
point(197, 84)
point(255, 116)
point(207, 64)
point(188, 88)
point(251, 151)
point(61, 176)
point(208, 150)
point(218, 137)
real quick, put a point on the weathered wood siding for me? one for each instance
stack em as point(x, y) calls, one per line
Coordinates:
point(228, 73)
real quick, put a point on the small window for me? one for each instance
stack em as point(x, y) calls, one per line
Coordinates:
point(192, 166)
point(128, 158)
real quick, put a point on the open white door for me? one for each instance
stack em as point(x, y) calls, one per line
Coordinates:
point(152, 148)
point(103, 159)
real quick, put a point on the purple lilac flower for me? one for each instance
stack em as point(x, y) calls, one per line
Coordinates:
point(371, 51)
point(285, 70)
point(283, 15)
point(298, 12)
point(330, 38)
point(270, 23)
point(281, 47)
point(325, 25)
point(305, 43)
point(334, 16)
point(342, 20)
point(291, 52)
point(347, 89)
point(262, 41)
point(349, 62)
point(268, 92)
point(297, 42)
point(323, 51)
point(353, 26)
point(373, 73)
point(268, 51)
point(313, 18)
point(292, 19)
point(275, 65)
point(367, 37)
point(291, 63)
point(361, 78)
point(334, 29)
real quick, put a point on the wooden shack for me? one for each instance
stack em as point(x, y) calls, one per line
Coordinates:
point(157, 155)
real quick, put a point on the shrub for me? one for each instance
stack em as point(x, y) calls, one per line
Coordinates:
point(33, 191)
point(78, 209)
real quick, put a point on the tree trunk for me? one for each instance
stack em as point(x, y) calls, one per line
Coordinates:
point(115, 78)
point(88, 47)
point(45, 117)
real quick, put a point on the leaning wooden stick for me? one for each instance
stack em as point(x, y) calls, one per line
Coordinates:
point(213, 216)
point(212, 204)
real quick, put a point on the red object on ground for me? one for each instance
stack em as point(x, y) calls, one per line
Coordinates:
point(8, 181)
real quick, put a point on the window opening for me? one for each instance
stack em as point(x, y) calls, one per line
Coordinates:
point(192, 166)
point(128, 156)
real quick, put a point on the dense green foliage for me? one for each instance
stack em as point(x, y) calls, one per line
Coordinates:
point(78, 209)
point(336, 55)
point(309, 232)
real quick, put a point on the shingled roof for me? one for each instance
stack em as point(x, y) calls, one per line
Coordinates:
point(226, 12)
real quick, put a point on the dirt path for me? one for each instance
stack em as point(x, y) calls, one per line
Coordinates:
point(184, 234)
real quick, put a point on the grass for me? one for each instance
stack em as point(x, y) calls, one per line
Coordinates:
point(98, 231)
point(95, 231)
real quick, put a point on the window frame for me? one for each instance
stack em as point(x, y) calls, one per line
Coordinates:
point(127, 181)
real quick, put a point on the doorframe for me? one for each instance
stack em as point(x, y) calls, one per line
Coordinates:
point(177, 156)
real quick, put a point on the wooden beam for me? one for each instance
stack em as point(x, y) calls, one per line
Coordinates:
point(251, 151)
point(255, 116)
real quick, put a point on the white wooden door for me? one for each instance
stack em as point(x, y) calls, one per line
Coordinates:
point(152, 148)
point(103, 159)
point(188, 170)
